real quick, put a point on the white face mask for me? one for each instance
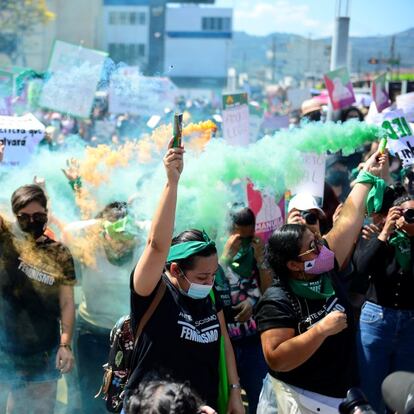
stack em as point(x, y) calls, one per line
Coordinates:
point(196, 290)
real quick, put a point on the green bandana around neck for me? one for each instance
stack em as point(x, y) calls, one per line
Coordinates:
point(122, 229)
point(187, 249)
point(402, 245)
point(320, 288)
point(376, 194)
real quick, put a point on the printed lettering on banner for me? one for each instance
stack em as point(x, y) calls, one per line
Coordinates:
point(313, 180)
point(132, 93)
point(20, 136)
point(339, 88)
point(236, 128)
point(74, 75)
point(269, 213)
point(400, 137)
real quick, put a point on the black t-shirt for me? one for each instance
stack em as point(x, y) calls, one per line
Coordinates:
point(30, 276)
point(388, 284)
point(181, 339)
point(332, 369)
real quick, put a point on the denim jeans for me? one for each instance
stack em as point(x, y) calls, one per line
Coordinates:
point(251, 368)
point(92, 351)
point(385, 344)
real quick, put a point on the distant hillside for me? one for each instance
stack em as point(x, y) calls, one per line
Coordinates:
point(250, 51)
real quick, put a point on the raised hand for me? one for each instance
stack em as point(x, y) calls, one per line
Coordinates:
point(174, 163)
point(72, 170)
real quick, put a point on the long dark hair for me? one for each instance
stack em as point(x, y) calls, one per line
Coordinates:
point(186, 236)
point(284, 245)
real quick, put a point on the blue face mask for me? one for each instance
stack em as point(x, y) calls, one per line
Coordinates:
point(196, 290)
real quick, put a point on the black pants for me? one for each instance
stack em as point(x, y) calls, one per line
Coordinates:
point(92, 349)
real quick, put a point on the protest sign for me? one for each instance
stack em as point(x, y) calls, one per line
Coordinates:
point(131, 93)
point(296, 96)
point(269, 213)
point(74, 73)
point(20, 136)
point(256, 115)
point(340, 88)
point(405, 102)
point(379, 93)
point(273, 123)
point(400, 137)
point(313, 180)
point(236, 128)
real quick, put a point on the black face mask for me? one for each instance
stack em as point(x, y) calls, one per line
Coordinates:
point(35, 228)
point(337, 178)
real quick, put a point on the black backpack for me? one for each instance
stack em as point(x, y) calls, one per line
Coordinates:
point(123, 341)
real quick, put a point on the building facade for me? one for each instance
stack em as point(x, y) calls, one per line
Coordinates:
point(198, 52)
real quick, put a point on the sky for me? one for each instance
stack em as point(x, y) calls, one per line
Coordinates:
point(315, 17)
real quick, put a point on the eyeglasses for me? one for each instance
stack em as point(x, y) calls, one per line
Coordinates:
point(25, 219)
point(315, 247)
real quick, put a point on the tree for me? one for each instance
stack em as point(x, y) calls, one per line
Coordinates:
point(18, 20)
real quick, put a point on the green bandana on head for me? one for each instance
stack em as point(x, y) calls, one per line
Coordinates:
point(402, 245)
point(123, 229)
point(320, 288)
point(187, 249)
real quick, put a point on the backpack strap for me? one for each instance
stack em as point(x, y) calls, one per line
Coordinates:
point(150, 311)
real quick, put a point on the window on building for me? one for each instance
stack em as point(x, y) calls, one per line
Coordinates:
point(113, 18)
point(123, 18)
point(133, 18)
point(130, 53)
point(219, 24)
point(141, 50)
point(141, 18)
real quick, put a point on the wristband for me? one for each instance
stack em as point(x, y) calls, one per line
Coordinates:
point(65, 346)
point(76, 183)
point(235, 386)
point(376, 194)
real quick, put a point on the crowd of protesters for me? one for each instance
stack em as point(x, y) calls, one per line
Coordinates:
point(325, 305)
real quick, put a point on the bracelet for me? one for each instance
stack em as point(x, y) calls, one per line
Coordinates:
point(76, 184)
point(235, 386)
point(65, 346)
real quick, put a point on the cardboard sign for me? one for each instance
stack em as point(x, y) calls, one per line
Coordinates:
point(74, 75)
point(400, 137)
point(379, 93)
point(236, 128)
point(256, 116)
point(131, 93)
point(20, 136)
point(296, 96)
point(313, 181)
point(270, 215)
point(340, 88)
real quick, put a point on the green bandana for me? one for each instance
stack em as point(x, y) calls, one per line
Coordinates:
point(320, 288)
point(376, 194)
point(187, 249)
point(402, 245)
point(243, 261)
point(122, 229)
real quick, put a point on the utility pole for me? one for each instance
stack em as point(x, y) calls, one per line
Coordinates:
point(339, 52)
point(274, 59)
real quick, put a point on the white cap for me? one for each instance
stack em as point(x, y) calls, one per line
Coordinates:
point(304, 202)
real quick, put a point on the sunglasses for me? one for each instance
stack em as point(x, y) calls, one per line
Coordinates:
point(314, 247)
point(25, 219)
